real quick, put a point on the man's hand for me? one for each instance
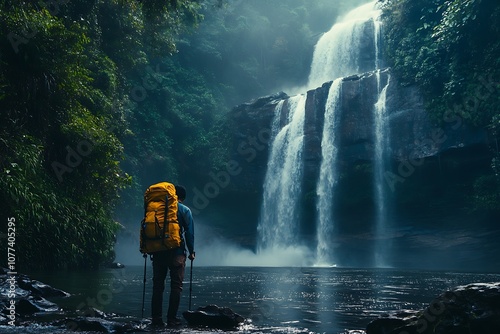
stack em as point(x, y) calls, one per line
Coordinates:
point(192, 256)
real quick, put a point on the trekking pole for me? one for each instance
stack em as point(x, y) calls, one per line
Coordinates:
point(190, 284)
point(144, 285)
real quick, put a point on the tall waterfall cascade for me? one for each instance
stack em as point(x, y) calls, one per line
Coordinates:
point(327, 177)
point(278, 223)
point(380, 166)
point(339, 53)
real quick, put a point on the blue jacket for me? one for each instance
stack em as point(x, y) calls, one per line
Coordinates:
point(187, 228)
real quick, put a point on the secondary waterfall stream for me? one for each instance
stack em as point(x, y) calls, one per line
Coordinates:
point(380, 166)
point(282, 189)
point(337, 54)
point(328, 177)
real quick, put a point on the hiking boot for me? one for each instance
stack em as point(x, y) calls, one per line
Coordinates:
point(174, 322)
point(157, 323)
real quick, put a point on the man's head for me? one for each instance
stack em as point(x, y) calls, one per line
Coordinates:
point(181, 193)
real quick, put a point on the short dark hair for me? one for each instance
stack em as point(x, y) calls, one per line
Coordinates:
point(181, 192)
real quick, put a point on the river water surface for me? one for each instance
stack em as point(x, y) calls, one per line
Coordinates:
point(275, 300)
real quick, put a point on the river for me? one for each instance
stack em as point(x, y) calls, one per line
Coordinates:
point(276, 300)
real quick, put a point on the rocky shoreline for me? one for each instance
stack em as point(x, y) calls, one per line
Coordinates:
point(25, 303)
point(468, 309)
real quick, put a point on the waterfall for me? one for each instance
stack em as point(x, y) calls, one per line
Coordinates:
point(380, 159)
point(337, 53)
point(343, 51)
point(327, 178)
point(380, 166)
point(279, 223)
point(377, 30)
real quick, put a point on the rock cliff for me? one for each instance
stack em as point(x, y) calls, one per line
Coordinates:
point(413, 136)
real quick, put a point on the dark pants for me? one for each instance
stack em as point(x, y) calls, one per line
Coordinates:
point(162, 262)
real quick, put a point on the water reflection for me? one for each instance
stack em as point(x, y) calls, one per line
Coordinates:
point(276, 300)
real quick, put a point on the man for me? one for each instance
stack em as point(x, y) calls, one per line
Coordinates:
point(175, 261)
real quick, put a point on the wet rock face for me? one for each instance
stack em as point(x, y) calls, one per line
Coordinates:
point(251, 123)
point(99, 325)
point(410, 132)
point(471, 309)
point(23, 303)
point(39, 289)
point(23, 297)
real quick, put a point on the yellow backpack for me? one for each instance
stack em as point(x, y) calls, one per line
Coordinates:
point(160, 228)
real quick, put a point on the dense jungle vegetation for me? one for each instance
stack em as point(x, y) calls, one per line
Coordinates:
point(100, 98)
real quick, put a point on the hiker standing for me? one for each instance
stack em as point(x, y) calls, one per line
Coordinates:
point(175, 261)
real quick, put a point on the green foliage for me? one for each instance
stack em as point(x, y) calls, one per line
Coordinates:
point(486, 193)
point(458, 19)
point(173, 124)
point(449, 49)
point(165, 20)
point(251, 48)
point(56, 226)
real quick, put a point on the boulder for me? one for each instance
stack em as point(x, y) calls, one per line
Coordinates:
point(469, 309)
point(32, 310)
point(37, 288)
point(114, 265)
point(389, 322)
point(213, 316)
point(385, 325)
point(30, 296)
point(31, 305)
point(91, 324)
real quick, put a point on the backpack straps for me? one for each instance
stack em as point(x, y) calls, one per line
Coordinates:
point(165, 220)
